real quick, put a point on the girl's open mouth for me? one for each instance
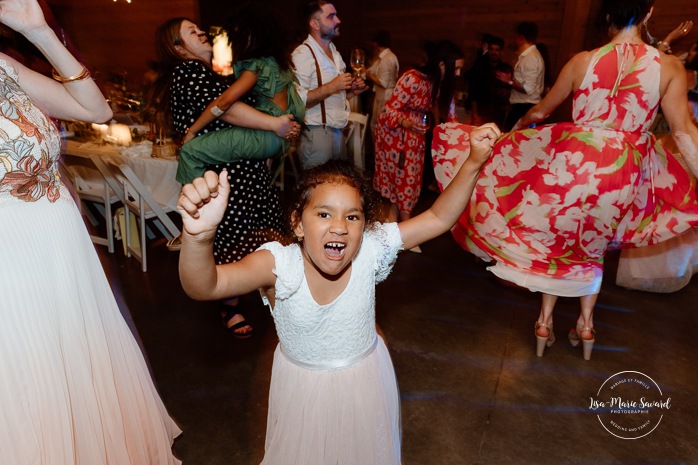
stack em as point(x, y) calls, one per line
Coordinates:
point(335, 249)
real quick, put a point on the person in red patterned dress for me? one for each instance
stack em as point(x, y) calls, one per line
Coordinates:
point(554, 198)
point(401, 127)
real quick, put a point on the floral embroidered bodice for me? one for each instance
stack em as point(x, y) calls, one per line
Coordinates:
point(29, 146)
point(313, 333)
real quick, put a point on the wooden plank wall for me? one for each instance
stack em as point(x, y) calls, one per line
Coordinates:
point(116, 36)
point(565, 26)
point(119, 36)
point(464, 22)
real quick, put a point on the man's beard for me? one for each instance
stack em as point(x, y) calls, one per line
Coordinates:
point(330, 34)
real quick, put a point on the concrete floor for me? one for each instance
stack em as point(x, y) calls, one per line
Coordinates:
point(473, 391)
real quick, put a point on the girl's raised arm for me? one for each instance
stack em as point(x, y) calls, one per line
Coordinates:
point(446, 210)
point(202, 205)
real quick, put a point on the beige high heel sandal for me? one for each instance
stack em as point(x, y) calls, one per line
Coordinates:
point(542, 341)
point(587, 344)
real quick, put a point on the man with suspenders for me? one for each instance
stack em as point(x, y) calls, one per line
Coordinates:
point(322, 75)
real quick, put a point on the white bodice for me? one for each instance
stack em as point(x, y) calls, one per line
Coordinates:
point(322, 334)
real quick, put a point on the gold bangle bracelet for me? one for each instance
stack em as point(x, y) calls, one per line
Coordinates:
point(84, 74)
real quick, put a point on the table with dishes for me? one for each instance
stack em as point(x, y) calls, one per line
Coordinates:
point(157, 174)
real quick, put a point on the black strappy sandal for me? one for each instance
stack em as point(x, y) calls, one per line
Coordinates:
point(230, 313)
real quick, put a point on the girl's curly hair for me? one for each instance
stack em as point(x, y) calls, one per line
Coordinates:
point(334, 172)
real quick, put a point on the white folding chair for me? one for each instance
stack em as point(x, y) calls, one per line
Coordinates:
point(92, 185)
point(354, 137)
point(139, 200)
point(289, 157)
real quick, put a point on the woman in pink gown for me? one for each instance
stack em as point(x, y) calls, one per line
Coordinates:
point(74, 386)
point(554, 198)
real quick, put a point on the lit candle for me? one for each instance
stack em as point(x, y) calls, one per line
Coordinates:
point(121, 134)
point(100, 129)
point(222, 54)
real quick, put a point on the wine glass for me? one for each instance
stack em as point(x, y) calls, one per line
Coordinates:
point(357, 61)
point(426, 121)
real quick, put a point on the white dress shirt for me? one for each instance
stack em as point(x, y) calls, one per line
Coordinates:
point(529, 72)
point(336, 105)
point(384, 70)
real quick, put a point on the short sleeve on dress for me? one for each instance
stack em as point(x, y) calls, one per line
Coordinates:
point(269, 80)
point(385, 239)
point(253, 65)
point(288, 268)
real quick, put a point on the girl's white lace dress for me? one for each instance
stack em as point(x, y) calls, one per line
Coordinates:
point(333, 397)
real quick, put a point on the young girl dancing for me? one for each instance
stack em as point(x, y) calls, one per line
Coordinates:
point(333, 395)
point(263, 71)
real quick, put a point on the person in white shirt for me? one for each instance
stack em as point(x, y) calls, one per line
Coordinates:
point(325, 92)
point(527, 83)
point(383, 72)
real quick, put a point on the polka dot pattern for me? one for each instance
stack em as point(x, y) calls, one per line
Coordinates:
point(194, 86)
point(253, 216)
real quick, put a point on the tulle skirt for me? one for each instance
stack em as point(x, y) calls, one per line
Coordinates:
point(664, 267)
point(74, 387)
point(347, 416)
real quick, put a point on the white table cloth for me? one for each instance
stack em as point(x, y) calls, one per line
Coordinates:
point(158, 174)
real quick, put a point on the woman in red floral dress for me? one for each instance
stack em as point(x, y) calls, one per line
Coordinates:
point(554, 198)
point(401, 127)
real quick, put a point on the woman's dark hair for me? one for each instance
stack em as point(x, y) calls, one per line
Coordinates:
point(430, 65)
point(436, 53)
point(334, 172)
point(447, 53)
point(167, 37)
point(619, 14)
point(257, 30)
